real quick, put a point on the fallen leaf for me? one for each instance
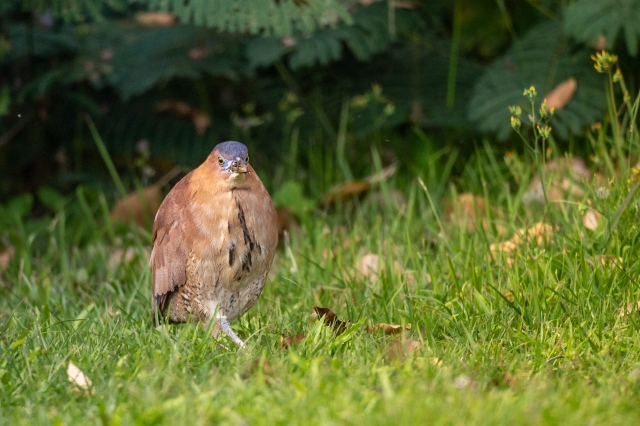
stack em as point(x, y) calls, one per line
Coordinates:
point(259, 366)
point(591, 219)
point(605, 260)
point(352, 189)
point(399, 350)
point(141, 208)
point(465, 210)
point(388, 329)
point(287, 220)
point(567, 175)
point(199, 52)
point(330, 319)
point(78, 378)
point(6, 254)
point(561, 94)
point(118, 256)
point(630, 308)
point(288, 341)
point(540, 233)
point(138, 208)
point(369, 266)
point(200, 119)
point(155, 19)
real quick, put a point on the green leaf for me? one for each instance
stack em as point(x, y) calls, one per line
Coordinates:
point(587, 20)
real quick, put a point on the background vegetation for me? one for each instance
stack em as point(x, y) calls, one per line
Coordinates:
point(479, 248)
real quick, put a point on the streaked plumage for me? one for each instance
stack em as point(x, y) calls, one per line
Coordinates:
point(214, 239)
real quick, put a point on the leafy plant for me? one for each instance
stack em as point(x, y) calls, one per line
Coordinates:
point(589, 20)
point(544, 58)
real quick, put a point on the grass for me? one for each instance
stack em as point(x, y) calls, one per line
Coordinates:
point(530, 337)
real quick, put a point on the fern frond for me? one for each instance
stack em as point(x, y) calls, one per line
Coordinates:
point(543, 59)
point(267, 17)
point(587, 20)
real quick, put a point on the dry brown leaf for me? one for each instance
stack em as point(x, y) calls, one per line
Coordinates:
point(567, 175)
point(138, 208)
point(605, 260)
point(352, 189)
point(78, 378)
point(345, 191)
point(288, 341)
point(591, 219)
point(629, 309)
point(200, 119)
point(561, 94)
point(541, 233)
point(6, 254)
point(330, 319)
point(258, 366)
point(466, 210)
point(369, 266)
point(388, 329)
point(199, 52)
point(399, 350)
point(155, 19)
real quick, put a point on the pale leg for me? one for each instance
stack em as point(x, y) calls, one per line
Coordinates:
point(226, 329)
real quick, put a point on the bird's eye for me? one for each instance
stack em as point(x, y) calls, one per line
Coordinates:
point(220, 161)
point(246, 160)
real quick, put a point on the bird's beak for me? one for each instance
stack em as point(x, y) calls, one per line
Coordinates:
point(239, 166)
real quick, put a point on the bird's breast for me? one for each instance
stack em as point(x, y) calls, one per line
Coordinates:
point(236, 240)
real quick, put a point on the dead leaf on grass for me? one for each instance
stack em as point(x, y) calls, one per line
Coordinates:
point(369, 266)
point(352, 189)
point(6, 254)
point(591, 219)
point(288, 341)
point(605, 260)
point(388, 329)
point(567, 175)
point(139, 208)
point(399, 350)
point(78, 378)
point(629, 309)
point(540, 233)
point(330, 319)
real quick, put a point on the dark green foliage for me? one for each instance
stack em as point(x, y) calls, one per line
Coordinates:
point(67, 10)
point(589, 19)
point(268, 17)
point(544, 58)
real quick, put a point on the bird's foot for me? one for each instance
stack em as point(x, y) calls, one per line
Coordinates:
point(225, 326)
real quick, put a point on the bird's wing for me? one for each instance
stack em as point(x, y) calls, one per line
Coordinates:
point(168, 259)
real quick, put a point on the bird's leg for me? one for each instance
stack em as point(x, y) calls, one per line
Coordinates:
point(226, 329)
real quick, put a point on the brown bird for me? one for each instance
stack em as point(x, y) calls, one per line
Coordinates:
point(214, 238)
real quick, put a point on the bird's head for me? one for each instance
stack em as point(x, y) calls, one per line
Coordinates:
point(231, 163)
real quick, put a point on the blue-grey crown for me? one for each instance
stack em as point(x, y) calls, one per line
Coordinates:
point(232, 149)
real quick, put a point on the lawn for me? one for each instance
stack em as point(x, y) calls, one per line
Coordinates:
point(496, 324)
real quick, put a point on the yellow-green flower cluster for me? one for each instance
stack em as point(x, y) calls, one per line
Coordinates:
point(604, 61)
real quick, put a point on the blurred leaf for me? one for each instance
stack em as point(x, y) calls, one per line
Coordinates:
point(588, 20)
point(289, 195)
point(5, 101)
point(51, 198)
